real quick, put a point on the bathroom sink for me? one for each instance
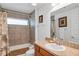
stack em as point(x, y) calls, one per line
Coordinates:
point(55, 47)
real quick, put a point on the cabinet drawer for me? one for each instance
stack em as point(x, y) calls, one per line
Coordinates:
point(44, 53)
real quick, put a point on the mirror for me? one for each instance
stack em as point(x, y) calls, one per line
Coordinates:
point(70, 32)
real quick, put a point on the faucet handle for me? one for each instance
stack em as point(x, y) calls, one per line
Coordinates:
point(62, 39)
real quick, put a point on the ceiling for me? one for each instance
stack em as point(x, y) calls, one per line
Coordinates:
point(22, 7)
point(28, 7)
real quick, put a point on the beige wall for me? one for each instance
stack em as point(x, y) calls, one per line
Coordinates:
point(18, 34)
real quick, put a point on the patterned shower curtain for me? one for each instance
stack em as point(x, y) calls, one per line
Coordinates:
point(3, 34)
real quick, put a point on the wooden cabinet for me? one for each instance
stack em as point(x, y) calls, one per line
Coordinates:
point(42, 52)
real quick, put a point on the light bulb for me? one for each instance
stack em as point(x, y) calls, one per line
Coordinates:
point(54, 4)
point(34, 4)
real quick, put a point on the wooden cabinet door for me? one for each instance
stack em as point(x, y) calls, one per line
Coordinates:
point(36, 50)
point(41, 52)
point(44, 53)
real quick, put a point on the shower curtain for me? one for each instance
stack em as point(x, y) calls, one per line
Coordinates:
point(3, 34)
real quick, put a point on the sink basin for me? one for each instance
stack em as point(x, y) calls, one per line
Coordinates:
point(55, 47)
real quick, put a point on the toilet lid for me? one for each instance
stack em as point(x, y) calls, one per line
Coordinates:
point(30, 52)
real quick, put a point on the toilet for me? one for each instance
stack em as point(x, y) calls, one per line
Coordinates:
point(31, 51)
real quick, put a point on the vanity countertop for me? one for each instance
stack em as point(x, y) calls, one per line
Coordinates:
point(69, 51)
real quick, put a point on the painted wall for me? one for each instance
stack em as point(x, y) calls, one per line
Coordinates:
point(71, 32)
point(42, 29)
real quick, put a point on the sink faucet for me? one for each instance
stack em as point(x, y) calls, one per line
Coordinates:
point(59, 41)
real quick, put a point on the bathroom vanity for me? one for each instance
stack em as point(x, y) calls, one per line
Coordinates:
point(39, 51)
point(42, 50)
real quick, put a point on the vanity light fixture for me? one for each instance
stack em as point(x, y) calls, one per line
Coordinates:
point(54, 4)
point(34, 4)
